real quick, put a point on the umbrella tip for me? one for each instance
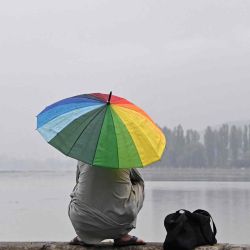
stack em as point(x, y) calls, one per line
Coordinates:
point(110, 94)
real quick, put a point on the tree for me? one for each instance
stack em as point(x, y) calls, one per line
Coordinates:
point(192, 137)
point(249, 137)
point(167, 158)
point(179, 145)
point(222, 142)
point(245, 139)
point(210, 144)
point(235, 144)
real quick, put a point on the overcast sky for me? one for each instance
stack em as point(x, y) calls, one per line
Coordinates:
point(181, 61)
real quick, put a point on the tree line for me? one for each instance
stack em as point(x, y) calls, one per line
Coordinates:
point(226, 146)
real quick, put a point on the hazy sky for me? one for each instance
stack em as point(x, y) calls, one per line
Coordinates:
point(182, 61)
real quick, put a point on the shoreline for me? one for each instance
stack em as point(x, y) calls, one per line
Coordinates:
point(160, 174)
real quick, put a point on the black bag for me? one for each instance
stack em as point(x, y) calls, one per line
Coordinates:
point(186, 230)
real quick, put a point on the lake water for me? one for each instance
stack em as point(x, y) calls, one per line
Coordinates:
point(33, 206)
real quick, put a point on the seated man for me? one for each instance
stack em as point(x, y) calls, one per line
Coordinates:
point(104, 205)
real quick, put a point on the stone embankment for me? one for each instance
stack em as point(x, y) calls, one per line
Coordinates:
point(105, 246)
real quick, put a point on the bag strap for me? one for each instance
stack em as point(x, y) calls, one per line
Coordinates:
point(214, 231)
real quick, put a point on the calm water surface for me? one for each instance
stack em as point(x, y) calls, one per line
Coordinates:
point(33, 207)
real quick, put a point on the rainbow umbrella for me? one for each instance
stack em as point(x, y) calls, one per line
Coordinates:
point(102, 130)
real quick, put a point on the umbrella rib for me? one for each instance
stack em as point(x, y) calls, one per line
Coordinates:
point(147, 139)
point(60, 103)
point(85, 129)
point(143, 112)
point(159, 155)
point(116, 138)
point(131, 138)
point(99, 135)
point(65, 113)
point(90, 97)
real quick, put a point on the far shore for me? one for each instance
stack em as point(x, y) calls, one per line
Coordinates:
point(159, 174)
point(196, 174)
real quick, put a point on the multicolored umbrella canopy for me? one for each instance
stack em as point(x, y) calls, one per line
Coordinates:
point(102, 130)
